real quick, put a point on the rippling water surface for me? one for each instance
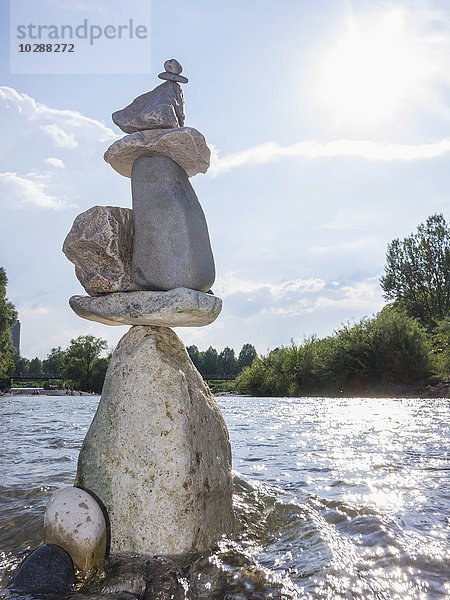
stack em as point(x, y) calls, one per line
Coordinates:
point(335, 498)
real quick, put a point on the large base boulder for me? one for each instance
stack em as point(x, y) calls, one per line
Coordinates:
point(157, 453)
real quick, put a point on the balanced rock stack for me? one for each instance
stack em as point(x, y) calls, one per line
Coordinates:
point(157, 454)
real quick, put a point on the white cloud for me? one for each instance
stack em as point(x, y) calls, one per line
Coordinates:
point(229, 284)
point(248, 299)
point(17, 191)
point(59, 137)
point(70, 122)
point(310, 150)
point(55, 162)
point(32, 128)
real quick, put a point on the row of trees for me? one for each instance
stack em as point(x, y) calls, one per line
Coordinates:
point(81, 365)
point(408, 342)
point(8, 316)
point(224, 364)
point(372, 356)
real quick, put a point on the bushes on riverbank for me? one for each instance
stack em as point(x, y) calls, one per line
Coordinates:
point(374, 355)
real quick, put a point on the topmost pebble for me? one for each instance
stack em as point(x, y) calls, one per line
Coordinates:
point(172, 71)
point(173, 66)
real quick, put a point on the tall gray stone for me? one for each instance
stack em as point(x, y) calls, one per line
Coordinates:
point(161, 108)
point(157, 453)
point(171, 245)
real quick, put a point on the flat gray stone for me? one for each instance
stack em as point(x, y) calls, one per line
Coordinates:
point(177, 308)
point(173, 77)
point(171, 246)
point(184, 145)
point(157, 454)
point(100, 245)
point(161, 108)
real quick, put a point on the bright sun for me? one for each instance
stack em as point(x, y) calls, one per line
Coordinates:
point(371, 72)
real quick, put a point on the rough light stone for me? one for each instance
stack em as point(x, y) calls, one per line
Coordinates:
point(157, 453)
point(185, 145)
point(100, 245)
point(171, 246)
point(180, 307)
point(74, 521)
point(160, 108)
point(47, 569)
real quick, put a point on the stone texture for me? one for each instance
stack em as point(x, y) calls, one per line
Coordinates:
point(100, 245)
point(75, 522)
point(161, 108)
point(47, 569)
point(185, 145)
point(173, 66)
point(180, 307)
point(173, 77)
point(157, 453)
point(171, 246)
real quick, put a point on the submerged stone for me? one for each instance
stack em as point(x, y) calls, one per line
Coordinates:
point(48, 568)
point(157, 453)
point(74, 521)
point(171, 247)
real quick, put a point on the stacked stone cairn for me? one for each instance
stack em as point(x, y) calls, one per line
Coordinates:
point(156, 460)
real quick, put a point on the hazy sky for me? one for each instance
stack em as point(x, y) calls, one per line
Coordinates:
point(329, 128)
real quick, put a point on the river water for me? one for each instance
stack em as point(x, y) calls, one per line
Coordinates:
point(335, 498)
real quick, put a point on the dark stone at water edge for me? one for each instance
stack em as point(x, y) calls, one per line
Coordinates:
point(47, 569)
point(171, 240)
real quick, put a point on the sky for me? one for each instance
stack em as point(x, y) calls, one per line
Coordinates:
point(329, 127)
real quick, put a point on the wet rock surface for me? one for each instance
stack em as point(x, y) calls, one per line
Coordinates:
point(75, 522)
point(48, 568)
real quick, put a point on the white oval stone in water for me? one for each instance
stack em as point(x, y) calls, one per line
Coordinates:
point(75, 522)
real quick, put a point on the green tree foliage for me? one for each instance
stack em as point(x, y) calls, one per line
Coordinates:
point(196, 356)
point(227, 363)
point(417, 272)
point(441, 347)
point(246, 356)
point(8, 317)
point(21, 365)
point(373, 355)
point(55, 362)
point(84, 369)
point(210, 362)
point(35, 367)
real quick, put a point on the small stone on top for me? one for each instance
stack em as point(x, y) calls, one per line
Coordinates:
point(172, 71)
point(173, 66)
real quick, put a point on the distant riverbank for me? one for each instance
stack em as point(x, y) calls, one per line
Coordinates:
point(43, 392)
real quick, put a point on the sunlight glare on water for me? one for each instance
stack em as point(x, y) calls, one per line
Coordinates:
point(334, 498)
